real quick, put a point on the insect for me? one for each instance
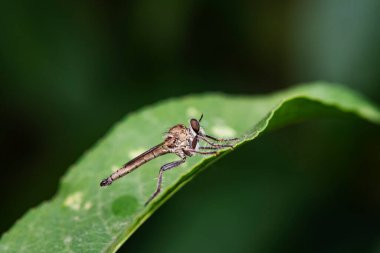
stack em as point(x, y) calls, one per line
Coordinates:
point(180, 140)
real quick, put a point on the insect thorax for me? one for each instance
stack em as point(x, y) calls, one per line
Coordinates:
point(177, 137)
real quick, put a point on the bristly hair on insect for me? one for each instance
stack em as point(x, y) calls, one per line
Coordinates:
point(180, 140)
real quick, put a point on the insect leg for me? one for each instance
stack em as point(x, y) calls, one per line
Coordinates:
point(165, 167)
point(220, 146)
point(207, 147)
point(201, 152)
point(221, 139)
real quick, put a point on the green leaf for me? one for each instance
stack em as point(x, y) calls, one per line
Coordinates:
point(84, 217)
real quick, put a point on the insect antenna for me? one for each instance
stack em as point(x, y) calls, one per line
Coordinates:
point(201, 118)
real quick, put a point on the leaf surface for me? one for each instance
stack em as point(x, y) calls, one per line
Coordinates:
point(83, 217)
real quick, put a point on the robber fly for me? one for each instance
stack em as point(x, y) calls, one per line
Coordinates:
point(180, 140)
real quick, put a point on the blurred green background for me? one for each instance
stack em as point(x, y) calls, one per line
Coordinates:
point(69, 70)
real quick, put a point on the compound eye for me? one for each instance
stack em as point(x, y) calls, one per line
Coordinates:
point(194, 125)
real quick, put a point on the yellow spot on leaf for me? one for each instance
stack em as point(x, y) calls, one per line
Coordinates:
point(67, 240)
point(74, 201)
point(114, 168)
point(192, 112)
point(88, 205)
point(132, 154)
point(223, 131)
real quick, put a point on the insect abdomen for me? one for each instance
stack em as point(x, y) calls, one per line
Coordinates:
point(135, 163)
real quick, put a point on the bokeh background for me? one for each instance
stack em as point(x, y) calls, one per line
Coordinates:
point(70, 69)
